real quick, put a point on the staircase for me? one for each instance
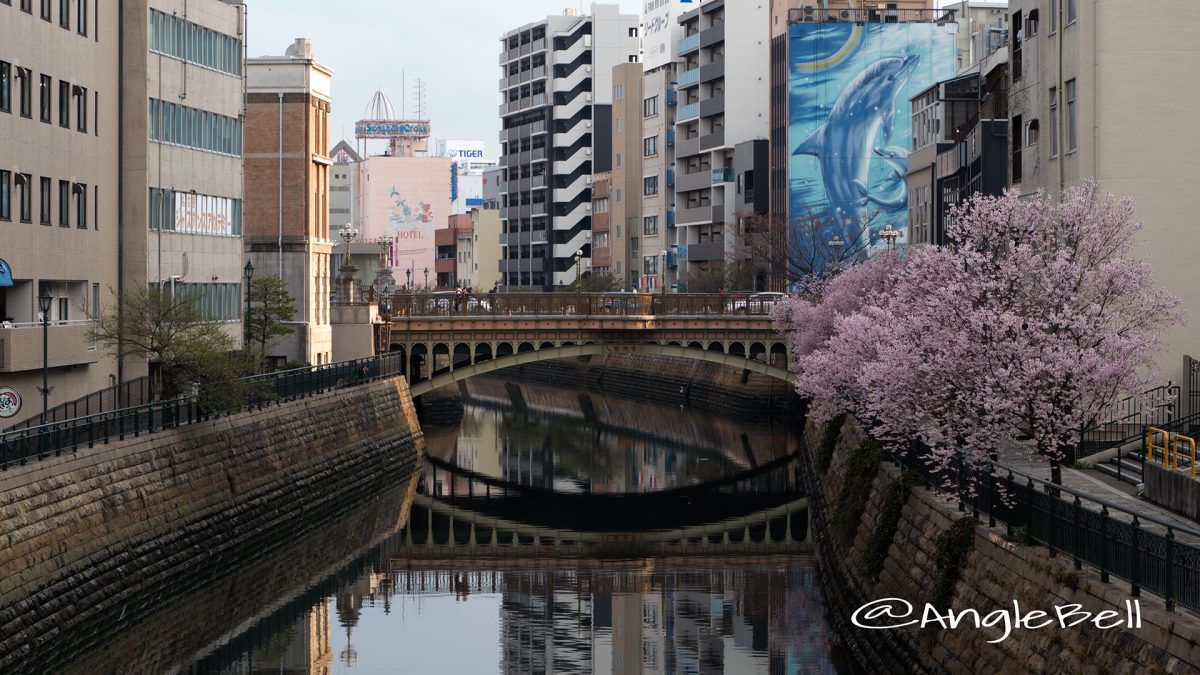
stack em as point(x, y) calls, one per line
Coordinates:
point(1131, 465)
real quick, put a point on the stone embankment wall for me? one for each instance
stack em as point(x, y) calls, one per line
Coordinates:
point(666, 380)
point(115, 532)
point(994, 573)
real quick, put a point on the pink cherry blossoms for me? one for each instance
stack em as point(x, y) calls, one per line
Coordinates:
point(1034, 319)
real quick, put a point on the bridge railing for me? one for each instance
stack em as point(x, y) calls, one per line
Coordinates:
point(404, 305)
point(55, 438)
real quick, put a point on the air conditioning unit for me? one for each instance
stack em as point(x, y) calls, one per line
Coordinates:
point(588, 98)
point(587, 207)
point(588, 125)
point(587, 69)
point(587, 40)
point(589, 179)
point(587, 151)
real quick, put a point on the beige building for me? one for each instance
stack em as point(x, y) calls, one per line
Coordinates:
point(982, 29)
point(287, 230)
point(1094, 91)
point(654, 223)
point(59, 222)
point(625, 179)
point(482, 272)
point(181, 157)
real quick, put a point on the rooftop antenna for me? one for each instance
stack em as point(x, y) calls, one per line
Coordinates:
point(403, 86)
point(419, 98)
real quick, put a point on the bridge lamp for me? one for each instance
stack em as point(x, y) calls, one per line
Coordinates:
point(662, 272)
point(248, 274)
point(427, 278)
point(45, 299)
point(889, 236)
point(578, 257)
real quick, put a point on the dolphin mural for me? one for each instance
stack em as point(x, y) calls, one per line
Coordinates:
point(846, 143)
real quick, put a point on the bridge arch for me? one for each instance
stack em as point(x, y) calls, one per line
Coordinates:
point(506, 358)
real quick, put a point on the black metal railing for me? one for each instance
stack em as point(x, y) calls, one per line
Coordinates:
point(1141, 549)
point(1124, 421)
point(404, 305)
point(124, 395)
point(55, 438)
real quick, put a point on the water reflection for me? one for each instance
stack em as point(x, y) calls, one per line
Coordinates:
point(540, 546)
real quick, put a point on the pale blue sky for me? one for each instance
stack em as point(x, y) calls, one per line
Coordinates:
point(452, 45)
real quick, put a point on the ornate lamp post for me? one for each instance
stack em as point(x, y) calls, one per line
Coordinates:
point(578, 257)
point(889, 236)
point(348, 234)
point(408, 277)
point(44, 300)
point(248, 274)
point(426, 278)
point(662, 272)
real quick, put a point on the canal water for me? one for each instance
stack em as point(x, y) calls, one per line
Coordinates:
point(586, 469)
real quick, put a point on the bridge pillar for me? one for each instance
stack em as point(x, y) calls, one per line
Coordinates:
point(450, 539)
point(471, 541)
point(787, 530)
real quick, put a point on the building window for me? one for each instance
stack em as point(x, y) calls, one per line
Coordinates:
point(1053, 16)
point(27, 6)
point(44, 98)
point(64, 203)
point(649, 265)
point(194, 128)
point(618, 92)
point(650, 107)
point(172, 36)
point(44, 199)
point(650, 146)
point(618, 191)
point(650, 185)
point(1018, 127)
point(1072, 127)
point(601, 240)
point(650, 226)
point(5, 195)
point(1053, 122)
point(24, 184)
point(81, 108)
point(26, 91)
point(46, 9)
point(81, 206)
point(64, 13)
point(5, 86)
point(600, 205)
point(633, 58)
point(618, 161)
point(633, 32)
point(82, 18)
point(1031, 133)
point(1031, 24)
point(64, 104)
point(1072, 11)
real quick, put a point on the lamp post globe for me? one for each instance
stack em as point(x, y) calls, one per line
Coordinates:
point(44, 301)
point(578, 257)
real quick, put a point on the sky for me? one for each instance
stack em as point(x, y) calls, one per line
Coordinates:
point(450, 45)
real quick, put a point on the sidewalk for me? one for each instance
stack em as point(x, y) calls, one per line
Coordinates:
point(1083, 482)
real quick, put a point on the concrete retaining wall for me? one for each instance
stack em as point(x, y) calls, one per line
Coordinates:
point(1175, 490)
point(116, 531)
point(996, 573)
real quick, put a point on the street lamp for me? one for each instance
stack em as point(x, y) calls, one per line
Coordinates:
point(385, 257)
point(408, 276)
point(426, 278)
point(662, 272)
point(836, 245)
point(889, 236)
point(44, 300)
point(578, 257)
point(348, 234)
point(248, 274)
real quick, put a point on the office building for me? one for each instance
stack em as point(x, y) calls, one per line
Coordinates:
point(287, 229)
point(720, 38)
point(1093, 93)
point(182, 105)
point(59, 133)
point(556, 99)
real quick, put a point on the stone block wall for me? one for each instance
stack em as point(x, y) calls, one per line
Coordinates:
point(995, 574)
point(91, 538)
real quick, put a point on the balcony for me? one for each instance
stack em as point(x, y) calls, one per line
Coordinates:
point(601, 256)
point(538, 181)
point(712, 71)
point(695, 215)
point(539, 209)
point(699, 180)
point(687, 147)
point(688, 78)
point(688, 44)
point(713, 105)
point(687, 112)
point(713, 140)
point(504, 239)
point(539, 237)
point(711, 36)
point(722, 175)
point(21, 346)
point(706, 251)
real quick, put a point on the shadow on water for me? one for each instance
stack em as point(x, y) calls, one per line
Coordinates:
point(662, 552)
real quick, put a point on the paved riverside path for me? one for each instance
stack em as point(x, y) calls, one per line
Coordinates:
point(1019, 458)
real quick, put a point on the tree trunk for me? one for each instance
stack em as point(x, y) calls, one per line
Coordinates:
point(1055, 472)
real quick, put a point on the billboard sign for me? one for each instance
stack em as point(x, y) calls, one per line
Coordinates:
point(661, 30)
point(466, 152)
point(850, 122)
point(207, 215)
point(415, 129)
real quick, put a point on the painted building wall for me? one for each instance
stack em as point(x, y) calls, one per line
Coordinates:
point(406, 197)
point(850, 120)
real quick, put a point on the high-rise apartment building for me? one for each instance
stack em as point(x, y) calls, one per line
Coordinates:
point(556, 93)
point(723, 97)
point(181, 118)
point(287, 228)
point(624, 184)
point(58, 198)
point(1093, 93)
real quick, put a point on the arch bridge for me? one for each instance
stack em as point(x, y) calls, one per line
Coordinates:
point(445, 339)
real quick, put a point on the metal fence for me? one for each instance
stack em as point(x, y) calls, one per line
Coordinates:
point(402, 305)
point(1124, 421)
point(55, 438)
point(1140, 549)
point(124, 395)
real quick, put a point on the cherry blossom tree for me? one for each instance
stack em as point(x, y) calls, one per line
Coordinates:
point(1034, 319)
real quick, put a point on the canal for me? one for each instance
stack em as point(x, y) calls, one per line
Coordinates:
point(553, 531)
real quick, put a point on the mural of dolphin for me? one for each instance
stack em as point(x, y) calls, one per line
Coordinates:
point(845, 144)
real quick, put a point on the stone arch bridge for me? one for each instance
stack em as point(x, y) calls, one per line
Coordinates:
point(445, 339)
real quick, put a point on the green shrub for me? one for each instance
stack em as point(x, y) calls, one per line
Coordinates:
point(861, 467)
point(876, 548)
point(953, 545)
point(1020, 535)
point(829, 439)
